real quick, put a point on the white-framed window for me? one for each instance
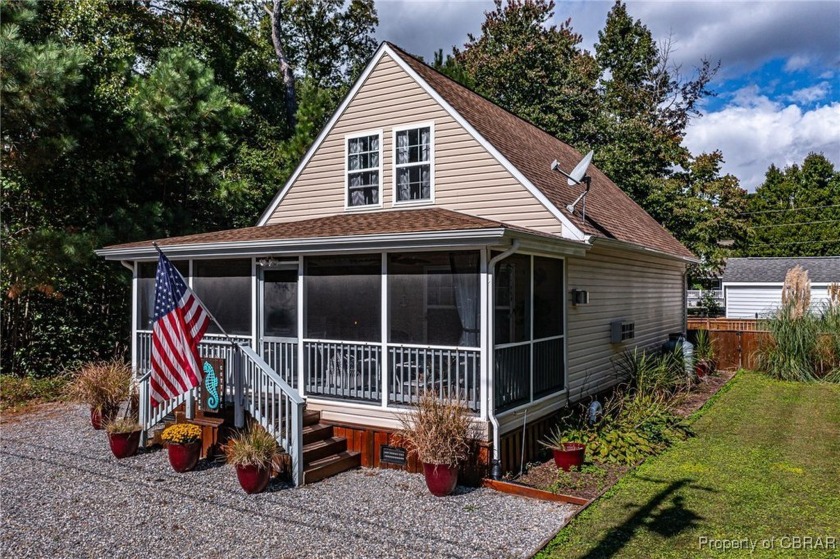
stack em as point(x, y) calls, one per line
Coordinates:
point(363, 162)
point(414, 165)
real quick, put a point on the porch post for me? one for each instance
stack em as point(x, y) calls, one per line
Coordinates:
point(300, 326)
point(383, 361)
point(484, 327)
point(134, 297)
point(255, 310)
point(239, 398)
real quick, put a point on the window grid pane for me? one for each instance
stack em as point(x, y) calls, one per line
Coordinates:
point(363, 170)
point(413, 151)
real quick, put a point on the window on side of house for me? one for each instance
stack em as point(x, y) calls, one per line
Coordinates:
point(364, 170)
point(413, 158)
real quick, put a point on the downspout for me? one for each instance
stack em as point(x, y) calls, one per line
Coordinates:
point(128, 264)
point(496, 468)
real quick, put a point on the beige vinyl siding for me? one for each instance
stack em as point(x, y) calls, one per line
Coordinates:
point(622, 285)
point(467, 178)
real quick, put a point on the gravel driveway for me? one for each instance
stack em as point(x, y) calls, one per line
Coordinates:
point(64, 495)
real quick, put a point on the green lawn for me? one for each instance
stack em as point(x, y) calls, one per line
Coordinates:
point(765, 463)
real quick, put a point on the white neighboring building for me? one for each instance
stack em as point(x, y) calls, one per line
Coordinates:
point(752, 287)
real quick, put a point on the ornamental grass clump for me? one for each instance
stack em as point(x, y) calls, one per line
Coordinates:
point(802, 344)
point(254, 447)
point(438, 430)
point(122, 425)
point(102, 385)
point(181, 433)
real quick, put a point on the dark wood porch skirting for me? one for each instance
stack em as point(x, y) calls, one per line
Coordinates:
point(368, 441)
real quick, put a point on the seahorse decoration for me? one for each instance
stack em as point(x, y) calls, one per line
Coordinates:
point(211, 383)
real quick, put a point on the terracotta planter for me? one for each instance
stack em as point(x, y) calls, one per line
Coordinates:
point(124, 445)
point(100, 417)
point(702, 368)
point(183, 457)
point(569, 456)
point(440, 479)
point(253, 479)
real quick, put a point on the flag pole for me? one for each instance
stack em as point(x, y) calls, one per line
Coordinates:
point(213, 318)
point(239, 415)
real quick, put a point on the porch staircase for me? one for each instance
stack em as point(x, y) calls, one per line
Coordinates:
point(324, 454)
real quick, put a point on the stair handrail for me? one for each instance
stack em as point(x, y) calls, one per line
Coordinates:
point(148, 416)
point(290, 438)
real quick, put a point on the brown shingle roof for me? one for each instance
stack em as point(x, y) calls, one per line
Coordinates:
point(609, 211)
point(342, 225)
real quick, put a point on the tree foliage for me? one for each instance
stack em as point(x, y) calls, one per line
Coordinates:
point(796, 211)
point(131, 120)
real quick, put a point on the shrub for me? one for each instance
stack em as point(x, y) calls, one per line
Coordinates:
point(634, 426)
point(653, 373)
point(254, 447)
point(16, 392)
point(181, 433)
point(101, 385)
point(438, 430)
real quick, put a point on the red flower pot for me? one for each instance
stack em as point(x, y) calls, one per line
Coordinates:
point(100, 417)
point(253, 479)
point(124, 445)
point(702, 368)
point(570, 456)
point(183, 457)
point(440, 479)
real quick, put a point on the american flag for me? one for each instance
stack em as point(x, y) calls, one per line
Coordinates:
point(180, 321)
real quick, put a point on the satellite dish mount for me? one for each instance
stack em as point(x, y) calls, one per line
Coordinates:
point(577, 177)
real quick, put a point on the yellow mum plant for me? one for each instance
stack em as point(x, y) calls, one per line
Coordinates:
point(182, 433)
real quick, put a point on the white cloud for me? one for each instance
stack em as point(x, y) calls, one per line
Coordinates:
point(753, 132)
point(809, 95)
point(796, 62)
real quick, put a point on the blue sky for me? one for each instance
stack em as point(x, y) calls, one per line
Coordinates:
point(778, 90)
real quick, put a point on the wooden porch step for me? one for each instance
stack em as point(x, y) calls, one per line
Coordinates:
point(317, 432)
point(321, 449)
point(311, 417)
point(331, 465)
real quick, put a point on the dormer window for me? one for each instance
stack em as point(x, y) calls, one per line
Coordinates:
point(364, 169)
point(414, 163)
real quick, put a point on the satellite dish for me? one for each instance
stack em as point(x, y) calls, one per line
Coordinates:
point(576, 177)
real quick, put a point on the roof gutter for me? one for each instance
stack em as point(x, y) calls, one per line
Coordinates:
point(496, 470)
point(625, 245)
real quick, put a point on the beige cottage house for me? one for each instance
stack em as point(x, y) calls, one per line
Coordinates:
point(424, 242)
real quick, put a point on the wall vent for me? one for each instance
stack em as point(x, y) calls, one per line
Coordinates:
point(621, 330)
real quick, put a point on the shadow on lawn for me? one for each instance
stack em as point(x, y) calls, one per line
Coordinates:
point(667, 522)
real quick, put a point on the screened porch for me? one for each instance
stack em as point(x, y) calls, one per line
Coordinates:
point(379, 329)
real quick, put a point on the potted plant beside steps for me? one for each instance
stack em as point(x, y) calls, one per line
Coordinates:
point(438, 433)
point(123, 436)
point(183, 445)
point(103, 386)
point(252, 453)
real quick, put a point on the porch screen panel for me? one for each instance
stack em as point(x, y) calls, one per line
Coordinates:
point(344, 297)
point(224, 286)
point(513, 299)
point(549, 296)
point(280, 303)
point(434, 298)
point(146, 290)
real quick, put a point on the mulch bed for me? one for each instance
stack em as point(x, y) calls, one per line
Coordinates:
point(588, 483)
point(594, 479)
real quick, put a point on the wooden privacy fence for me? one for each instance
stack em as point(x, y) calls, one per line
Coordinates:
point(735, 341)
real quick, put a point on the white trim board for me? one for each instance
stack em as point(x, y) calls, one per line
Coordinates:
point(568, 226)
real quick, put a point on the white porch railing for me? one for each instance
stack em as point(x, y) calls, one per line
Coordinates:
point(450, 371)
point(345, 370)
point(282, 356)
point(694, 297)
point(148, 416)
point(272, 403)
